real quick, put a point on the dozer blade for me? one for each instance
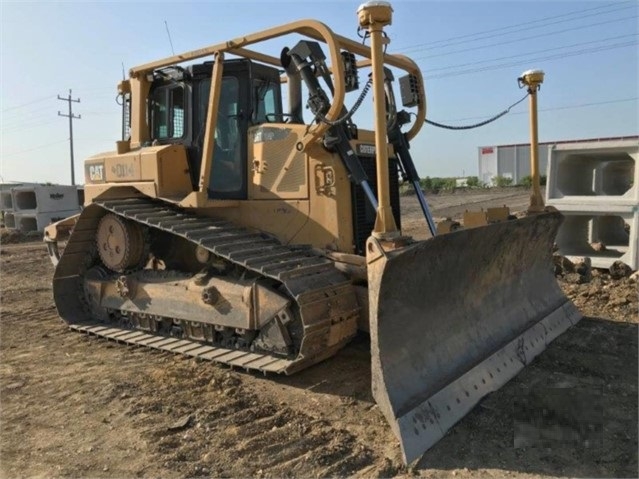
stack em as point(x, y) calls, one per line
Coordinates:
point(455, 317)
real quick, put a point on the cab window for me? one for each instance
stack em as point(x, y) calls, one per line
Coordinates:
point(265, 101)
point(167, 112)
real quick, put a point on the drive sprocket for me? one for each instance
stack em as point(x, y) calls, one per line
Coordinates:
point(120, 242)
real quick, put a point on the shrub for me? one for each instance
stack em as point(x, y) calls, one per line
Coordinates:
point(472, 181)
point(426, 183)
point(527, 181)
point(437, 184)
point(502, 181)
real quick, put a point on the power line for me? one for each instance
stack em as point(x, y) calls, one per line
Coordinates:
point(563, 107)
point(71, 117)
point(25, 126)
point(33, 149)
point(583, 105)
point(23, 115)
point(18, 122)
point(102, 88)
point(529, 60)
point(532, 53)
point(522, 39)
point(508, 27)
point(467, 38)
point(115, 112)
point(28, 103)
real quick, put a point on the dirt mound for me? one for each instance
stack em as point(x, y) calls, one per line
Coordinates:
point(8, 236)
point(12, 236)
point(612, 293)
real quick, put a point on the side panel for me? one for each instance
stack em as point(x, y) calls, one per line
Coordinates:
point(301, 197)
point(158, 171)
point(279, 170)
point(171, 169)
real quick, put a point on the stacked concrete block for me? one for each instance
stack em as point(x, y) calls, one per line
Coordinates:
point(9, 219)
point(6, 204)
point(36, 206)
point(596, 186)
point(6, 201)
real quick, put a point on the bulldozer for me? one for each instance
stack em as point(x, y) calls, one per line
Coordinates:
point(226, 227)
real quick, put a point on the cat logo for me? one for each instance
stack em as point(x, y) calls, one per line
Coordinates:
point(95, 172)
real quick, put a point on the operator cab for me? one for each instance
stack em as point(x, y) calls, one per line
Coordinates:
point(177, 112)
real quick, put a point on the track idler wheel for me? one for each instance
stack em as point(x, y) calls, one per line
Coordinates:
point(120, 243)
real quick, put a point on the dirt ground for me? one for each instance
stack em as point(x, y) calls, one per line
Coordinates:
point(75, 406)
point(452, 204)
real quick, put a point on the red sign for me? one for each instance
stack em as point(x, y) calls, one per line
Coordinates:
point(487, 151)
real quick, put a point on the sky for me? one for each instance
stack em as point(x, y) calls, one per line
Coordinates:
point(471, 54)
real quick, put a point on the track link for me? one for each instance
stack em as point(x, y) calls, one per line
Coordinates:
point(325, 298)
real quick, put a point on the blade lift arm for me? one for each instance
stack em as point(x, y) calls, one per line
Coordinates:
point(401, 146)
point(305, 55)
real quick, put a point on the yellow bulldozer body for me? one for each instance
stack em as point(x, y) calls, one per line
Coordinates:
point(275, 275)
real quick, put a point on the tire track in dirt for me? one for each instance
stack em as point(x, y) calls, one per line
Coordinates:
point(230, 431)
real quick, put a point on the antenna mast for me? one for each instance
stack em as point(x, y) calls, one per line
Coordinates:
point(169, 35)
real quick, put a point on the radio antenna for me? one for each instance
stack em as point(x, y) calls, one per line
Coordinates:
point(169, 35)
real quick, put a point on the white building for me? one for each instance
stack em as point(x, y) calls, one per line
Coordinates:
point(513, 161)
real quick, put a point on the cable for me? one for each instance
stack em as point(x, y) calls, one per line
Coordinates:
point(522, 39)
point(528, 60)
point(481, 123)
point(356, 106)
point(449, 43)
point(532, 53)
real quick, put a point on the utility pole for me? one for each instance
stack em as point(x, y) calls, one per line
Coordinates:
point(70, 116)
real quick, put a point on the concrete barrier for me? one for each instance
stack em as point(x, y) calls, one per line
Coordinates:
point(596, 186)
point(6, 201)
point(38, 199)
point(9, 220)
point(615, 231)
point(29, 222)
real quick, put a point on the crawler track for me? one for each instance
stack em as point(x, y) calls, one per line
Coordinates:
point(323, 296)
